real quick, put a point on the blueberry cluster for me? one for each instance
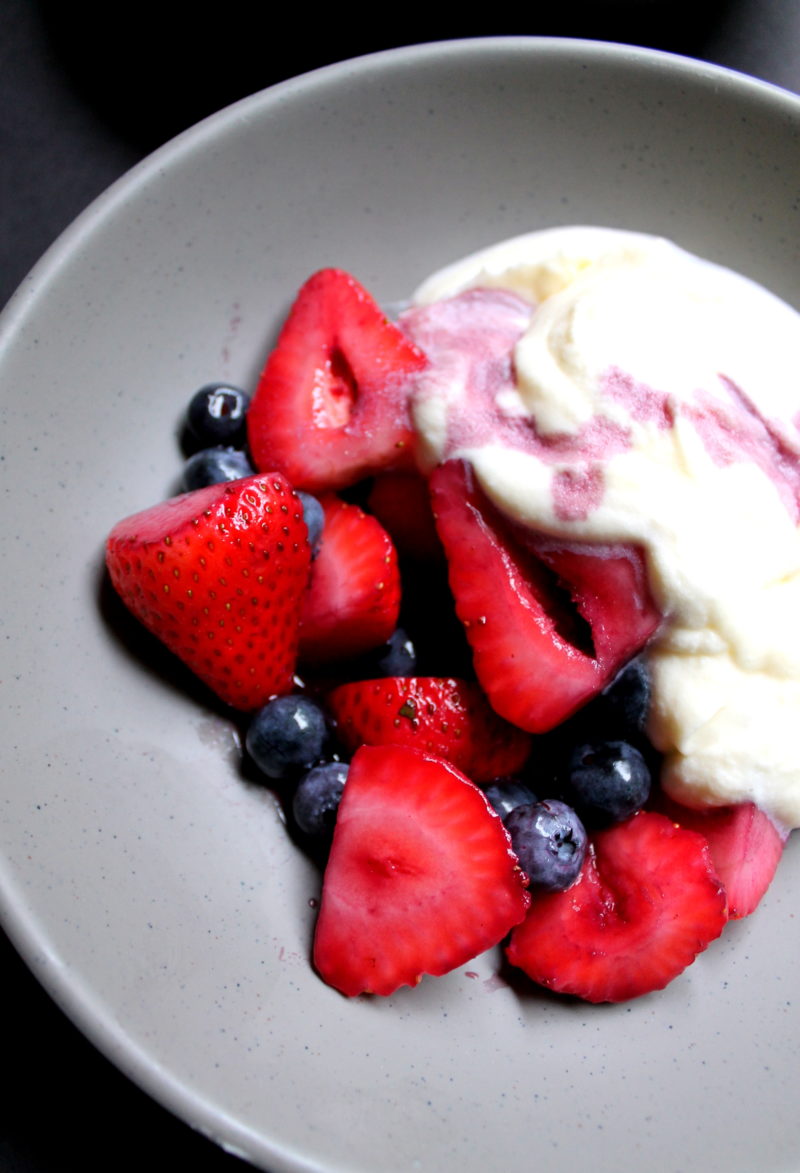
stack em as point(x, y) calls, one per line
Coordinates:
point(288, 740)
point(292, 744)
point(216, 434)
point(595, 771)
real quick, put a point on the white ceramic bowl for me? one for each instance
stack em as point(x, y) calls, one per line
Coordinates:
point(152, 890)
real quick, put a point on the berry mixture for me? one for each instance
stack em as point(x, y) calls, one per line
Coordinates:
point(451, 705)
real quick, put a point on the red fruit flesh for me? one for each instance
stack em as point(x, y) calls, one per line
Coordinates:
point(549, 625)
point(331, 406)
point(442, 716)
point(402, 504)
point(745, 845)
point(646, 903)
point(353, 599)
point(420, 879)
point(218, 575)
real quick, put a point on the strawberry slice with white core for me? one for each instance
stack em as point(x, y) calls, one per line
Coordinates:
point(549, 624)
point(421, 876)
point(745, 844)
point(353, 598)
point(331, 406)
point(648, 900)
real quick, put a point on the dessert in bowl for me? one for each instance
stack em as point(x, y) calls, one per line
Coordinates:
point(222, 999)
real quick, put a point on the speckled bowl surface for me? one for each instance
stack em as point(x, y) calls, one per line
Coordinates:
point(151, 886)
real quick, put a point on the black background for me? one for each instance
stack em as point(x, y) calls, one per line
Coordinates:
point(86, 90)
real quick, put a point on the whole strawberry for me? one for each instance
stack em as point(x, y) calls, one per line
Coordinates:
point(438, 715)
point(218, 575)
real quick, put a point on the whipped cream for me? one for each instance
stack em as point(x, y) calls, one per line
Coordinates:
point(636, 393)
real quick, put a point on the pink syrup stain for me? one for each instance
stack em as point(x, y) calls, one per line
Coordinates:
point(470, 339)
point(577, 492)
point(490, 984)
point(734, 430)
point(234, 325)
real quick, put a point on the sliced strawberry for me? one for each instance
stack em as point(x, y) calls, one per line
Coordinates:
point(402, 504)
point(353, 599)
point(647, 902)
point(745, 845)
point(331, 405)
point(218, 575)
point(446, 717)
point(421, 876)
point(549, 625)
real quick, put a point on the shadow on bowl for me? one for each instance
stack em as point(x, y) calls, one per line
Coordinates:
point(156, 74)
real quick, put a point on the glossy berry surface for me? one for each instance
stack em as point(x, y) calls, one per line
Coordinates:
point(217, 414)
point(505, 794)
point(288, 734)
point(549, 841)
point(314, 517)
point(316, 799)
point(214, 466)
point(420, 876)
point(397, 657)
point(608, 781)
point(621, 710)
point(178, 567)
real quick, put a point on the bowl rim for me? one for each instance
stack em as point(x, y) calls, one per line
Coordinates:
point(718, 78)
point(74, 997)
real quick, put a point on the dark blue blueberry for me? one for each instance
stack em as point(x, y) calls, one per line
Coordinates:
point(397, 656)
point(316, 799)
point(507, 793)
point(213, 466)
point(314, 517)
point(217, 414)
point(286, 736)
point(607, 781)
point(549, 841)
point(621, 709)
point(627, 699)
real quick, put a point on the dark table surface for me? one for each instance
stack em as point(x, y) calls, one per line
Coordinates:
point(86, 90)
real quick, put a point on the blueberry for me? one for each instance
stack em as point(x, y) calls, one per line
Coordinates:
point(314, 517)
point(286, 736)
point(213, 466)
point(622, 708)
point(507, 793)
point(316, 799)
point(397, 656)
point(627, 699)
point(607, 781)
point(217, 414)
point(549, 841)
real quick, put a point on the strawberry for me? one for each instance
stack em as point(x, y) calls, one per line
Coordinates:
point(549, 625)
point(353, 599)
point(421, 876)
point(402, 504)
point(331, 406)
point(218, 575)
point(446, 717)
point(745, 845)
point(646, 903)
